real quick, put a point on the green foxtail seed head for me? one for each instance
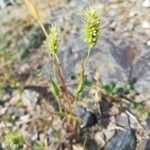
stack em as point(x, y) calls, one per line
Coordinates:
point(53, 42)
point(91, 27)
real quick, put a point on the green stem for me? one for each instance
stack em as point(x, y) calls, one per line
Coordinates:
point(84, 67)
point(43, 28)
point(87, 58)
point(59, 105)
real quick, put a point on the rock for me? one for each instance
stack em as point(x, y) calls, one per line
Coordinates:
point(148, 125)
point(51, 136)
point(77, 147)
point(3, 110)
point(146, 3)
point(123, 141)
point(80, 111)
point(14, 100)
point(109, 134)
point(6, 97)
point(123, 120)
point(148, 43)
point(12, 110)
point(144, 145)
point(99, 139)
point(89, 119)
point(5, 3)
point(24, 118)
point(140, 73)
point(24, 69)
point(34, 137)
point(30, 98)
point(146, 25)
point(91, 145)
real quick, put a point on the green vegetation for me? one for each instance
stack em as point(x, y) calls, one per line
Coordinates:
point(14, 140)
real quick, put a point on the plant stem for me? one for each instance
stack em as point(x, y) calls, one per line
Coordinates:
point(87, 58)
point(83, 69)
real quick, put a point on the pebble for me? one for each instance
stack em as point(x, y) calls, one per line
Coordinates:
point(25, 118)
point(146, 3)
point(3, 110)
point(24, 68)
point(6, 97)
point(89, 119)
point(29, 97)
point(146, 25)
point(5, 3)
point(34, 137)
point(80, 111)
point(14, 100)
point(109, 134)
point(123, 120)
point(99, 138)
point(148, 43)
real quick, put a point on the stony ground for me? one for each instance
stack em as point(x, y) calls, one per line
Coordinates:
point(122, 57)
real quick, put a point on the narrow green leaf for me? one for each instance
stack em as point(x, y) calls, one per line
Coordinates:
point(54, 88)
point(81, 82)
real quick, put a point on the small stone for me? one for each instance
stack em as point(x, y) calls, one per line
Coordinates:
point(148, 43)
point(24, 68)
point(57, 123)
point(34, 137)
point(77, 147)
point(145, 25)
point(14, 100)
point(109, 134)
point(3, 110)
point(29, 98)
point(146, 3)
point(5, 3)
point(89, 119)
point(80, 111)
point(6, 97)
point(25, 118)
point(99, 138)
point(123, 120)
point(12, 110)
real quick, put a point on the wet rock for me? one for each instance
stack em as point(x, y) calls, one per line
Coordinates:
point(123, 141)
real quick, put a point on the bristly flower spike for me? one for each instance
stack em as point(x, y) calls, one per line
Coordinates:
point(53, 41)
point(91, 27)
